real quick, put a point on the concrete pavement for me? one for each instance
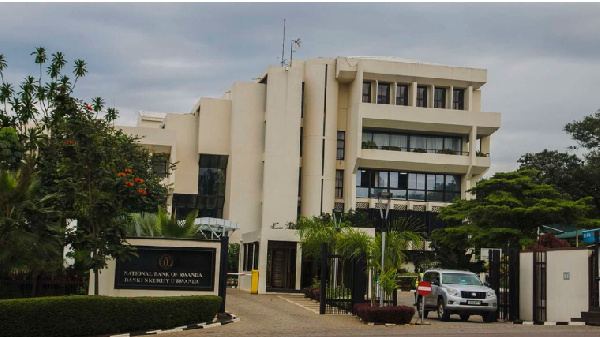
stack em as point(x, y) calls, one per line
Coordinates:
point(291, 315)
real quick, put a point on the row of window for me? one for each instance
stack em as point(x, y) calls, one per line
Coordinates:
point(402, 93)
point(411, 142)
point(408, 185)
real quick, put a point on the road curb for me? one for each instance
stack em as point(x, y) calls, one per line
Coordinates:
point(548, 323)
point(206, 325)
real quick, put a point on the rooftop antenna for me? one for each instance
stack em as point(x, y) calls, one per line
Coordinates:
point(292, 51)
point(283, 45)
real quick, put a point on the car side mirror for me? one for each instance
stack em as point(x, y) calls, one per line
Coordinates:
point(487, 284)
point(435, 282)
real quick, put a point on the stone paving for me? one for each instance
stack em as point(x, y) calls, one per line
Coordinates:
point(292, 315)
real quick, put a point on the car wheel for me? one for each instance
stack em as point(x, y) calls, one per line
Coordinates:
point(464, 317)
point(443, 314)
point(489, 317)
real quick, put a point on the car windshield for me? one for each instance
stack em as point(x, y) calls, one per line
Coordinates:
point(460, 278)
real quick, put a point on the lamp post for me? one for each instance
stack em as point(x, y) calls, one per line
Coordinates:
point(388, 196)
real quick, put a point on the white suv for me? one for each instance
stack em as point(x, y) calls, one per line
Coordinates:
point(458, 292)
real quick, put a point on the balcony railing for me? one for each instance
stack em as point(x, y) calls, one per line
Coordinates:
point(372, 145)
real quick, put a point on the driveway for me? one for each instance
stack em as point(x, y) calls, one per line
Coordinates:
point(291, 315)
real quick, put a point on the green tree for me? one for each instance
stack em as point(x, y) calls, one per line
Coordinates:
point(507, 211)
point(30, 236)
point(99, 174)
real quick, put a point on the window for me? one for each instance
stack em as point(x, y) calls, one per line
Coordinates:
point(422, 97)
point(341, 139)
point(383, 93)
point(458, 99)
point(211, 171)
point(160, 164)
point(402, 94)
point(299, 180)
point(250, 256)
point(339, 184)
point(431, 187)
point(366, 92)
point(440, 98)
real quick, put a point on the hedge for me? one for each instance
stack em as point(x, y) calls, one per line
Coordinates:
point(394, 315)
point(70, 316)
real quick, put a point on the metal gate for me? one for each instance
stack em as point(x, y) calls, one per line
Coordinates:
point(504, 279)
point(343, 283)
point(539, 286)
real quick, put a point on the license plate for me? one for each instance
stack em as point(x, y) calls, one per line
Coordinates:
point(474, 302)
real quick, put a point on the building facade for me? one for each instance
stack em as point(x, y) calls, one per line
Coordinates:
point(319, 135)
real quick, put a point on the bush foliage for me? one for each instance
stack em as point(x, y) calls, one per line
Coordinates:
point(394, 315)
point(71, 316)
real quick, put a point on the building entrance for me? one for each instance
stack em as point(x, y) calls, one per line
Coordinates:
point(281, 266)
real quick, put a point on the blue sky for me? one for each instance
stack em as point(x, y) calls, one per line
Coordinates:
point(543, 60)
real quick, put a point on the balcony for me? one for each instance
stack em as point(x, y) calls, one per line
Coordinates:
point(400, 117)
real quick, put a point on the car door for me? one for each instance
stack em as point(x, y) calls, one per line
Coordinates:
point(435, 281)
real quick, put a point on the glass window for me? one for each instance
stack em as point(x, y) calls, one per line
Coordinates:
point(458, 99)
point(383, 93)
point(382, 179)
point(416, 195)
point(366, 92)
point(440, 98)
point(453, 143)
point(367, 136)
point(416, 181)
point(381, 139)
point(341, 140)
point(398, 142)
point(422, 97)
point(339, 184)
point(417, 142)
point(452, 183)
point(435, 144)
point(393, 179)
point(402, 94)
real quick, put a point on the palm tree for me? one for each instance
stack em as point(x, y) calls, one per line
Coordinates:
point(79, 71)
point(40, 58)
point(3, 65)
point(162, 224)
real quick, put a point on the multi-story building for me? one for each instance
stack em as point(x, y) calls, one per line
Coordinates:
point(319, 135)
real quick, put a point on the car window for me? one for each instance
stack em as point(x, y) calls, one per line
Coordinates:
point(427, 277)
point(460, 278)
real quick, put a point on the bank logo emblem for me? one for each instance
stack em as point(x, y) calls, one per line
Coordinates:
point(474, 294)
point(165, 262)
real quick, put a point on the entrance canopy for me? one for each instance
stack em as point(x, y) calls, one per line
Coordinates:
point(216, 227)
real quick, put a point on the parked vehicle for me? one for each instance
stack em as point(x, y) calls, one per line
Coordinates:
point(458, 292)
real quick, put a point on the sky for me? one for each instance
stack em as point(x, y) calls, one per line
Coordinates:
point(543, 60)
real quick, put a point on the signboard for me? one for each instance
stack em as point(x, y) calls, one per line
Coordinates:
point(424, 288)
point(168, 268)
point(588, 236)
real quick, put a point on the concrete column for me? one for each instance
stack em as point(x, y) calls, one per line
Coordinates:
point(374, 91)
point(485, 144)
point(298, 265)
point(469, 98)
point(413, 95)
point(393, 90)
point(430, 97)
point(262, 264)
point(450, 97)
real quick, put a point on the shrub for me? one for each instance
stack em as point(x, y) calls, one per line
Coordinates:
point(312, 293)
point(394, 315)
point(70, 316)
point(446, 151)
point(419, 150)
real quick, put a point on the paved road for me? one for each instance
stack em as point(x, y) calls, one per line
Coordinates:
point(289, 315)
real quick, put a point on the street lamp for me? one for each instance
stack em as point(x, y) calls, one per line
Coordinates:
point(388, 196)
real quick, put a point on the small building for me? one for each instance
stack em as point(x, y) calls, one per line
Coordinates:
point(321, 135)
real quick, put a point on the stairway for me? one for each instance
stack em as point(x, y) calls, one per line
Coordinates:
point(591, 317)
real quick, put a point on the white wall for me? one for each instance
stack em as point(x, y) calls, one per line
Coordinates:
point(526, 286)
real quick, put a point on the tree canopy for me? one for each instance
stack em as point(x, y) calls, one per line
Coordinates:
point(95, 173)
point(507, 211)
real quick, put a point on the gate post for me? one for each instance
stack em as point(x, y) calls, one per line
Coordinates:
point(514, 283)
point(323, 294)
point(223, 268)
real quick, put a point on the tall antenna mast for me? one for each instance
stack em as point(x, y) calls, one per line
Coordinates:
point(283, 45)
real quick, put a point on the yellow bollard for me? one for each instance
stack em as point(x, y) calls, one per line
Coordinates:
point(254, 282)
